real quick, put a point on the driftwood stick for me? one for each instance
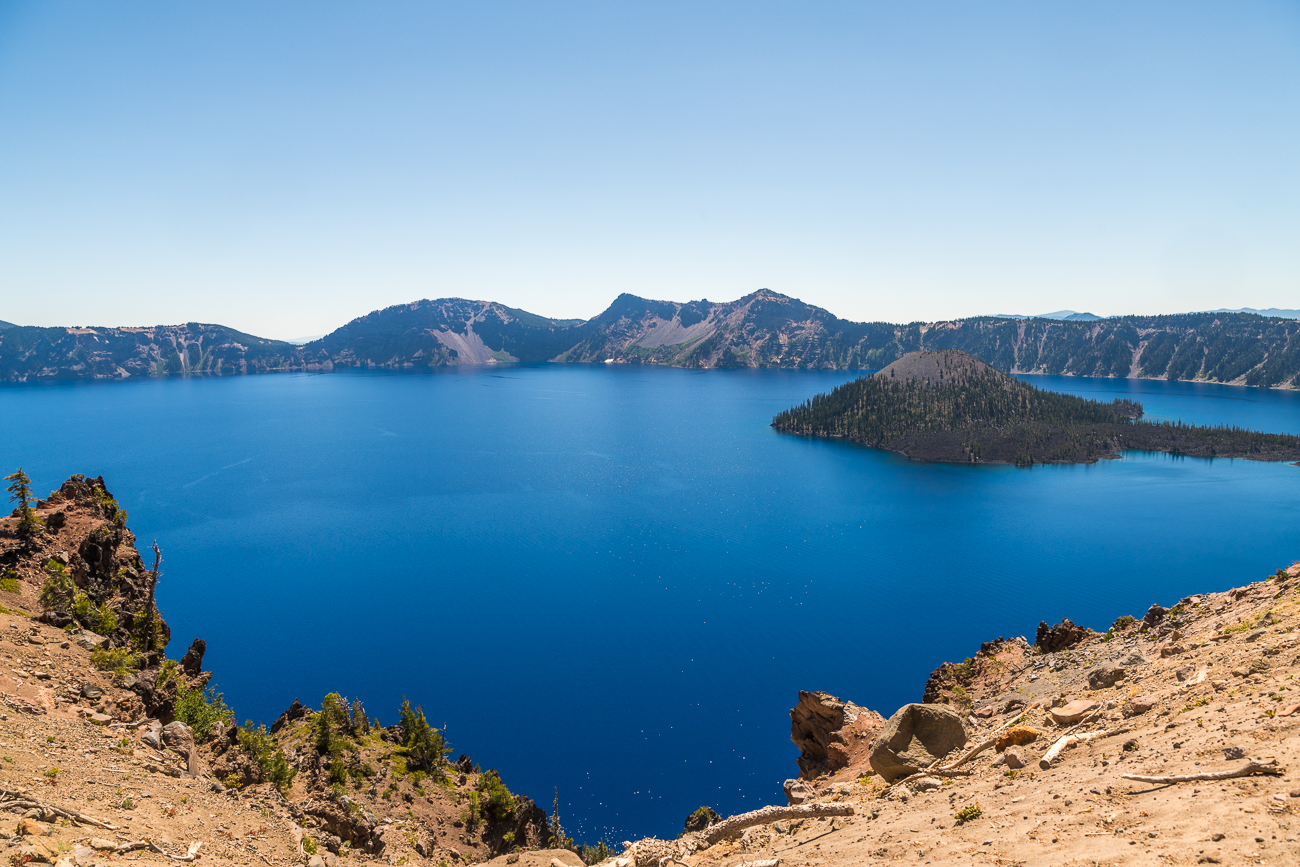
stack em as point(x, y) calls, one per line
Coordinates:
point(1249, 769)
point(766, 862)
point(27, 802)
point(1070, 740)
point(730, 827)
point(191, 855)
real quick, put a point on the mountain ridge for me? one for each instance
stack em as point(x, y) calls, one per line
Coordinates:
point(762, 329)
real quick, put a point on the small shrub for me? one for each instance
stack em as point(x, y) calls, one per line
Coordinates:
point(309, 845)
point(9, 581)
point(199, 709)
point(498, 802)
point(262, 748)
point(58, 589)
point(118, 660)
point(52, 773)
point(596, 854)
point(127, 803)
point(1124, 622)
point(472, 815)
point(968, 813)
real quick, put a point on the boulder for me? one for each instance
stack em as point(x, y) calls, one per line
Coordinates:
point(1134, 658)
point(1015, 736)
point(1014, 760)
point(914, 737)
point(1105, 675)
point(798, 792)
point(178, 736)
point(1155, 614)
point(31, 828)
point(1184, 673)
point(90, 692)
point(1070, 713)
point(1137, 705)
point(153, 735)
point(1171, 649)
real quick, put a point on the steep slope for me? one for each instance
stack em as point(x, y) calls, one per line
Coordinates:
point(441, 332)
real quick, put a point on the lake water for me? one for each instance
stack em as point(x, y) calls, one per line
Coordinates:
point(613, 580)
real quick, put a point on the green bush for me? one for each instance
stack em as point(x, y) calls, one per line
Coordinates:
point(58, 589)
point(199, 709)
point(498, 803)
point(596, 854)
point(262, 748)
point(425, 747)
point(9, 581)
point(118, 660)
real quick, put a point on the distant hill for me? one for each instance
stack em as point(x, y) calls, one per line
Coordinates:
point(949, 406)
point(4, 325)
point(28, 353)
point(1063, 315)
point(763, 329)
point(1270, 311)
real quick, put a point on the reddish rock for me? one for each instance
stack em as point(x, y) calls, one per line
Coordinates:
point(830, 733)
point(1072, 712)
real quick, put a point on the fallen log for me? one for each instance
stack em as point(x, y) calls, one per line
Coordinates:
point(730, 827)
point(1070, 740)
point(1249, 769)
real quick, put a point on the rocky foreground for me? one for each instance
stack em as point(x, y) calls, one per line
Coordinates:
point(111, 752)
point(1060, 753)
point(1063, 752)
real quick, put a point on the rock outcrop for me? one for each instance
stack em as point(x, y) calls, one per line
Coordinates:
point(827, 731)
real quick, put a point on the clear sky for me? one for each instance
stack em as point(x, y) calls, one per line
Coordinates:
point(285, 167)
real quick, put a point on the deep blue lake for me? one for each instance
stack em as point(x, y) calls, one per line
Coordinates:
point(614, 580)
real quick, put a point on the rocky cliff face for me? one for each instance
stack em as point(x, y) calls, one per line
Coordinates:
point(30, 354)
point(763, 329)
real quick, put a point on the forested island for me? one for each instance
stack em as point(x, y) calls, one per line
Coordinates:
point(949, 406)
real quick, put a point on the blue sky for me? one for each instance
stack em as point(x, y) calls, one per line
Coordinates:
point(283, 168)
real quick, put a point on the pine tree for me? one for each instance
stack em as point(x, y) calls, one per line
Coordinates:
point(20, 492)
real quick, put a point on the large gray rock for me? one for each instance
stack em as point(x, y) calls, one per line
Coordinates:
point(178, 736)
point(798, 792)
point(1104, 676)
point(914, 737)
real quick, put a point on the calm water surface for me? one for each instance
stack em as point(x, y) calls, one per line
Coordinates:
point(614, 581)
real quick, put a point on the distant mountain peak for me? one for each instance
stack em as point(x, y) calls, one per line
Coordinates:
point(1060, 315)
